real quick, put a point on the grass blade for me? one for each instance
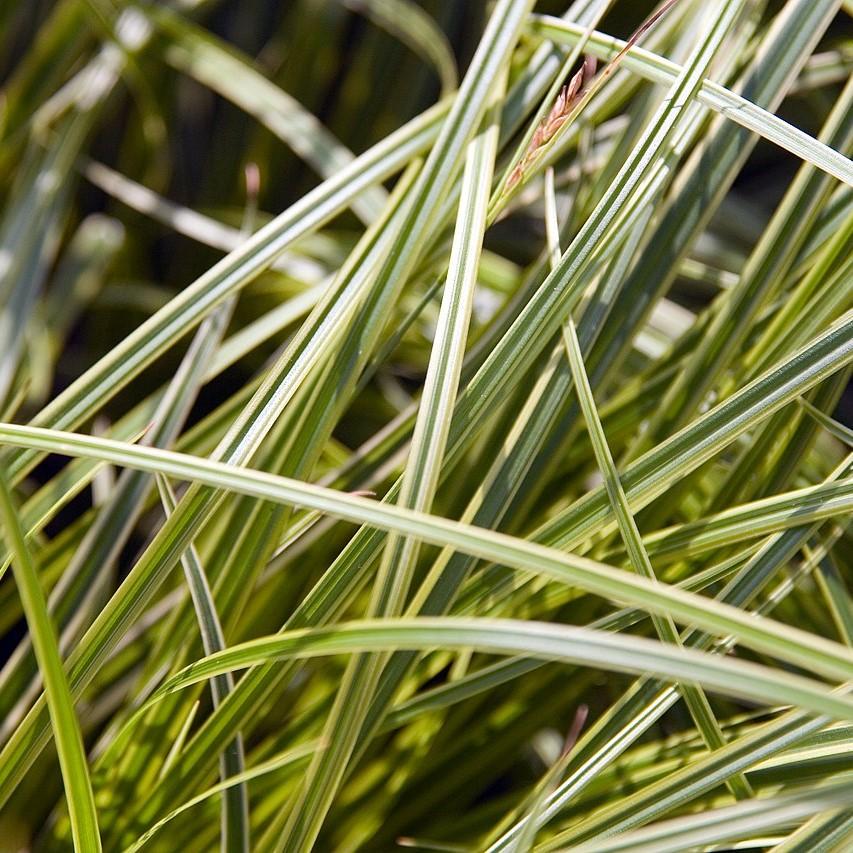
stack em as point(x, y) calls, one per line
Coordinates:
point(69, 742)
point(235, 801)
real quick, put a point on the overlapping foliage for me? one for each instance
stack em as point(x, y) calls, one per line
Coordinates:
point(423, 424)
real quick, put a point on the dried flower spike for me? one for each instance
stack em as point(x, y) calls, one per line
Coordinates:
point(569, 96)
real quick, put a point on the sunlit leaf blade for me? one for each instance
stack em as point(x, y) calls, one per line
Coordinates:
point(69, 743)
point(790, 644)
